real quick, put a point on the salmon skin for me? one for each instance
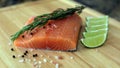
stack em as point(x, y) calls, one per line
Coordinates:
point(60, 34)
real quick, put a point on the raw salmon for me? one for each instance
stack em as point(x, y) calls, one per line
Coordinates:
point(60, 34)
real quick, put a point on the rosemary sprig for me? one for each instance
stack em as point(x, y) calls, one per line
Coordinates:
point(42, 19)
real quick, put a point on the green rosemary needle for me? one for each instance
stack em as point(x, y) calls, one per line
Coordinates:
point(42, 19)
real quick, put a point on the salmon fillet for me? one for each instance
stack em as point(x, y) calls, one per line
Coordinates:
point(60, 34)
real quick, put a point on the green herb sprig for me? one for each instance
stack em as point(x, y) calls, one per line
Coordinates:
point(43, 19)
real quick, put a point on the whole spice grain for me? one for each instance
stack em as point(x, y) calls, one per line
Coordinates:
point(35, 55)
point(23, 36)
point(26, 51)
point(13, 56)
point(12, 49)
point(22, 56)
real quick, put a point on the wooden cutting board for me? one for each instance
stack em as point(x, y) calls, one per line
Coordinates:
point(13, 18)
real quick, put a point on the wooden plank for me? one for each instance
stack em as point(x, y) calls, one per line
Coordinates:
point(13, 18)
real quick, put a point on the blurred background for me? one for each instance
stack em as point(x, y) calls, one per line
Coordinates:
point(109, 7)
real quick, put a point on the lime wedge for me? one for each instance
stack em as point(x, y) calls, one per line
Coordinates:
point(96, 18)
point(97, 21)
point(95, 33)
point(94, 41)
point(97, 27)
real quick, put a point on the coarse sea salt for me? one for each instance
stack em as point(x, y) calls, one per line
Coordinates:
point(19, 55)
point(10, 43)
point(45, 60)
point(34, 59)
point(21, 60)
point(57, 65)
point(39, 62)
point(71, 57)
point(51, 61)
point(35, 63)
point(56, 57)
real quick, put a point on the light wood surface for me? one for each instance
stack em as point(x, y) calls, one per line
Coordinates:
point(13, 18)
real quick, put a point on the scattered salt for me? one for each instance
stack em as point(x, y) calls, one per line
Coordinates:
point(59, 52)
point(38, 66)
point(57, 65)
point(39, 62)
point(45, 60)
point(51, 61)
point(71, 57)
point(54, 26)
point(31, 49)
point(21, 60)
point(29, 60)
point(56, 57)
point(35, 63)
point(34, 59)
point(19, 55)
point(41, 55)
point(10, 43)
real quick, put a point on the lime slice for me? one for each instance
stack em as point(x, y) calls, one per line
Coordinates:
point(97, 27)
point(97, 21)
point(97, 18)
point(94, 41)
point(95, 33)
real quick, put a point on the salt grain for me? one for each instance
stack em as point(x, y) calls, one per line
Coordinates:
point(34, 59)
point(57, 65)
point(35, 63)
point(39, 62)
point(56, 57)
point(21, 60)
point(54, 26)
point(29, 60)
point(41, 55)
point(51, 61)
point(31, 50)
point(45, 60)
point(10, 43)
point(19, 55)
point(71, 57)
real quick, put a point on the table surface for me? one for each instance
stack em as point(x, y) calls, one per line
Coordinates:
point(13, 18)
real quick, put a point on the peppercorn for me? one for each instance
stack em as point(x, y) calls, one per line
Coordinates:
point(23, 56)
point(31, 33)
point(35, 55)
point(23, 36)
point(26, 51)
point(12, 49)
point(13, 56)
point(44, 27)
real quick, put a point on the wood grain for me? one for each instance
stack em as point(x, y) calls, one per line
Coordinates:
point(13, 18)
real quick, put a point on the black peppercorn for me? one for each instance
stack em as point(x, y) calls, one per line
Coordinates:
point(23, 36)
point(23, 56)
point(31, 33)
point(44, 27)
point(13, 56)
point(12, 49)
point(35, 55)
point(26, 51)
